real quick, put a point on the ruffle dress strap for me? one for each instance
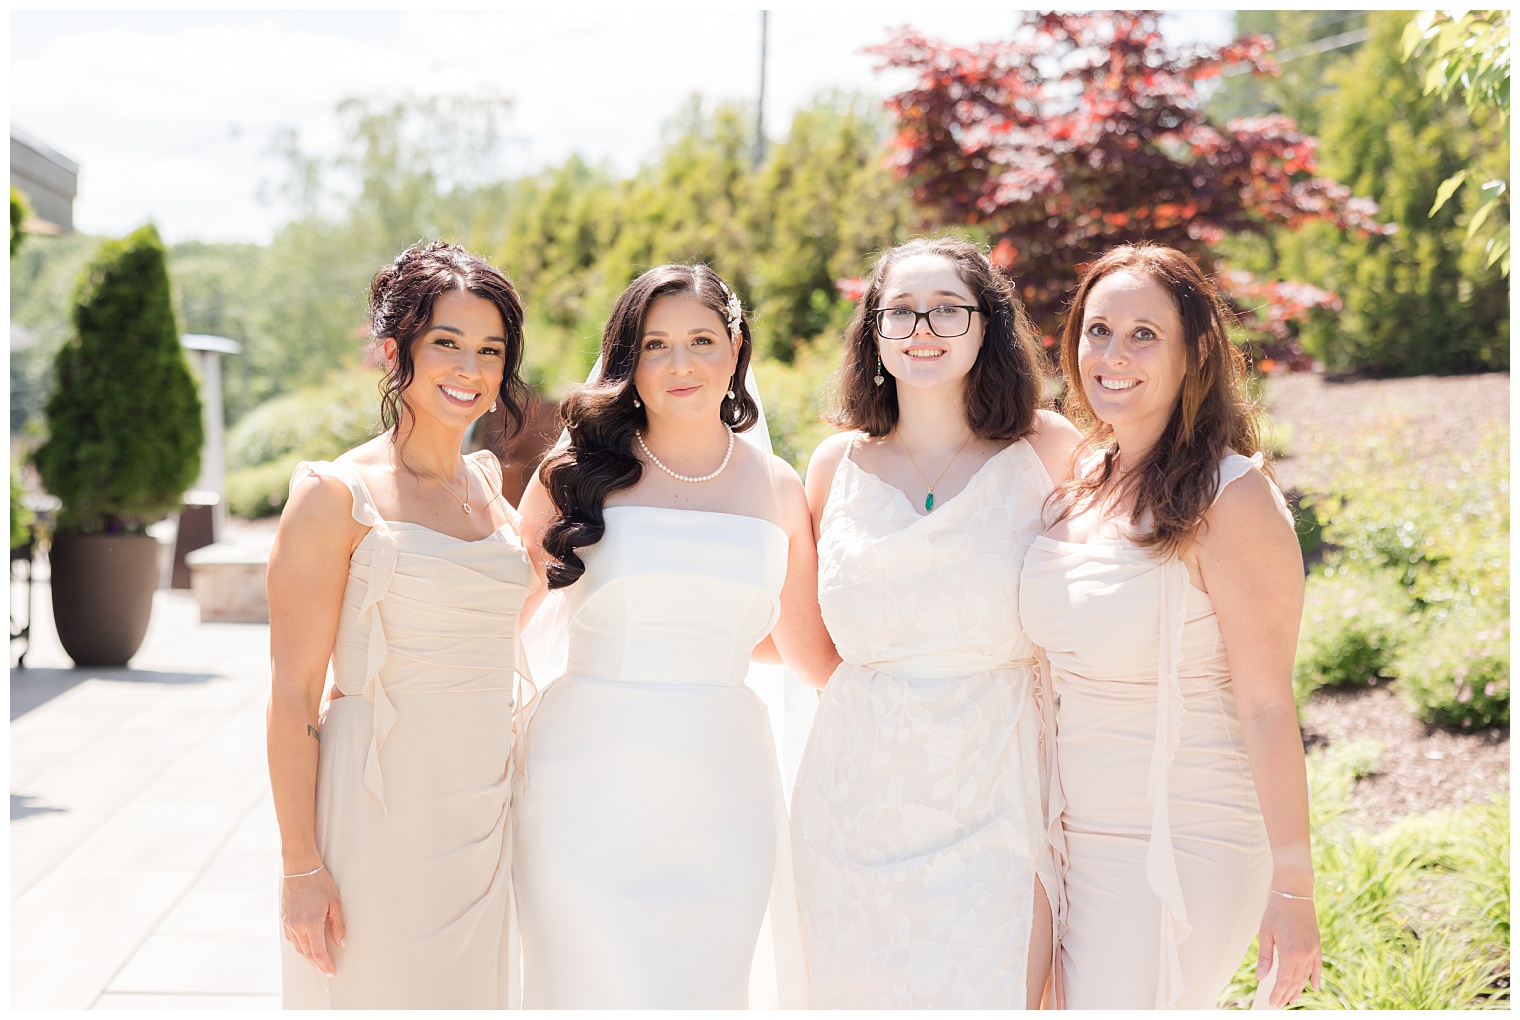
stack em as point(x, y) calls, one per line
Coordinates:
point(1160, 855)
point(382, 571)
point(1235, 466)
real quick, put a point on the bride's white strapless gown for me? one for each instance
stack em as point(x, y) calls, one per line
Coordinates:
point(649, 825)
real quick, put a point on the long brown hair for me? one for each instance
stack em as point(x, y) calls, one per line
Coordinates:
point(1176, 481)
point(1003, 386)
point(401, 298)
point(601, 417)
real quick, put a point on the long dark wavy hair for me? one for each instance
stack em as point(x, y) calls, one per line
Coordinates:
point(1176, 481)
point(1003, 386)
point(401, 298)
point(601, 417)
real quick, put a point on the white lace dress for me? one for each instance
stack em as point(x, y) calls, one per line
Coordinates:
point(918, 820)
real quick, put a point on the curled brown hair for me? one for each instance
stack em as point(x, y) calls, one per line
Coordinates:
point(401, 298)
point(1003, 386)
point(1176, 481)
point(601, 417)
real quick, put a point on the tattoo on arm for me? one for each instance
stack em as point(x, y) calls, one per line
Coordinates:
point(311, 731)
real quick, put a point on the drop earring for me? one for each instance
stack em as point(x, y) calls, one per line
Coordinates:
point(493, 407)
point(879, 377)
point(636, 401)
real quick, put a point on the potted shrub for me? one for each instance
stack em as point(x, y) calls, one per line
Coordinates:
point(124, 442)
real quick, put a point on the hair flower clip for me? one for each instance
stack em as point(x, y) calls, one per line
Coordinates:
point(735, 315)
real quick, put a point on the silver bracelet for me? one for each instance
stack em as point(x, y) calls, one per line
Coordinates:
point(1290, 896)
point(320, 867)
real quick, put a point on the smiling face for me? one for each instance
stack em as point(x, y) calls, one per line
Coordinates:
point(686, 359)
point(458, 361)
point(926, 361)
point(1131, 355)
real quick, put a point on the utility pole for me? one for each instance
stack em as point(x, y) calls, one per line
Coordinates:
point(760, 104)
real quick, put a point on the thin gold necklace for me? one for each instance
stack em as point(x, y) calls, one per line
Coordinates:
point(929, 499)
point(463, 505)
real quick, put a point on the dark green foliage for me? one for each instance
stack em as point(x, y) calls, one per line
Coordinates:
point(18, 217)
point(124, 418)
point(825, 206)
point(1419, 300)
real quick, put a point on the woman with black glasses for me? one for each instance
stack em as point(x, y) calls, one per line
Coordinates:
point(925, 871)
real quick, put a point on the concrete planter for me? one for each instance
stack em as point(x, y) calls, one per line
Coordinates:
point(103, 595)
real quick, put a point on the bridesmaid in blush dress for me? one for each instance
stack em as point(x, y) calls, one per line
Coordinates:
point(649, 820)
point(400, 563)
point(1167, 596)
point(925, 869)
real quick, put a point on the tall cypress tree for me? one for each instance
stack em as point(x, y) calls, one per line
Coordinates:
point(124, 418)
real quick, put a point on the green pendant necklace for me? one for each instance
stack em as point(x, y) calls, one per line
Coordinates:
point(929, 499)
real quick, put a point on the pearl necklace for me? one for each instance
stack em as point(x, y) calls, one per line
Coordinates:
point(687, 478)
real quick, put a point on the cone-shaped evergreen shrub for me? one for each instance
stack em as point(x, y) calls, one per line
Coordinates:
point(124, 418)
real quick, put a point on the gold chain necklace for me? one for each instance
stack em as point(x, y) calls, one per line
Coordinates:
point(463, 505)
point(929, 499)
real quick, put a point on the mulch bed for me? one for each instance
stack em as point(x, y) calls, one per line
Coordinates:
point(1421, 768)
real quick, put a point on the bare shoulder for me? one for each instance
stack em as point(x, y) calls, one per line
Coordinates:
point(789, 491)
point(1054, 439)
point(318, 519)
point(826, 457)
point(1250, 509)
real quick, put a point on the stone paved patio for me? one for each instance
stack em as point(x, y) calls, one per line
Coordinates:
point(144, 854)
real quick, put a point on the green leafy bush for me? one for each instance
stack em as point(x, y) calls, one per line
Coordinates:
point(1444, 533)
point(1353, 627)
point(21, 514)
point(1438, 531)
point(314, 423)
point(18, 216)
point(1457, 674)
point(795, 398)
point(124, 417)
point(319, 421)
point(261, 490)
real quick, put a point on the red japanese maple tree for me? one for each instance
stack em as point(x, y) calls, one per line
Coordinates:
point(1086, 131)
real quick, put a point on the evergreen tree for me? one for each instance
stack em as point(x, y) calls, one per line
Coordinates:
point(124, 417)
point(1417, 300)
point(825, 203)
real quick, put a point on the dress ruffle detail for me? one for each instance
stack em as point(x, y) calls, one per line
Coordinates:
point(1160, 857)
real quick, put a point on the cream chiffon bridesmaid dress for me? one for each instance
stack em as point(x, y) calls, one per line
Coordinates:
point(917, 818)
point(1169, 865)
point(649, 821)
point(413, 772)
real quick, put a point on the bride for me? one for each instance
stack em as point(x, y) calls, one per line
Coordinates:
point(650, 830)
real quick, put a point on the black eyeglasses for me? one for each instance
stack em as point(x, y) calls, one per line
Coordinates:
point(944, 321)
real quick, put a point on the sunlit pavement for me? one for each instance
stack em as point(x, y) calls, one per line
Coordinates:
point(144, 856)
point(144, 853)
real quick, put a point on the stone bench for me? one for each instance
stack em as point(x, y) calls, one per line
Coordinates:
point(228, 580)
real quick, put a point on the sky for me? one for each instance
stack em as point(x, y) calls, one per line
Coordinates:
point(172, 115)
